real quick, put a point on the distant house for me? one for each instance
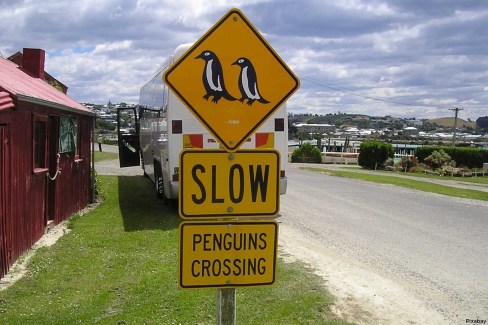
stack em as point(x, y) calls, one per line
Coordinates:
point(45, 155)
point(414, 122)
point(315, 128)
point(411, 131)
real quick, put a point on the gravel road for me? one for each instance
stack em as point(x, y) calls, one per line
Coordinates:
point(111, 167)
point(390, 255)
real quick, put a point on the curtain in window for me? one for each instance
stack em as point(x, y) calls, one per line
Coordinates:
point(67, 134)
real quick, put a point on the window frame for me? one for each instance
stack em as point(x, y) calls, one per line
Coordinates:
point(39, 144)
point(78, 151)
point(75, 135)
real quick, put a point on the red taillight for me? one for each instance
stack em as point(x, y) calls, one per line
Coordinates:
point(282, 173)
point(176, 177)
point(176, 127)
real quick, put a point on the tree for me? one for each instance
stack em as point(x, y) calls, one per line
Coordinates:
point(307, 153)
point(482, 122)
point(101, 124)
point(292, 130)
point(374, 153)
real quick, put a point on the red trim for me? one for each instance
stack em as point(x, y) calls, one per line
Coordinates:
point(39, 143)
point(6, 101)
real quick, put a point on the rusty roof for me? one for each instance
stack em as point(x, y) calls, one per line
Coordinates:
point(35, 90)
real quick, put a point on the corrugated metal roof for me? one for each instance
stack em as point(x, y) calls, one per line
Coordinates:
point(35, 90)
point(6, 101)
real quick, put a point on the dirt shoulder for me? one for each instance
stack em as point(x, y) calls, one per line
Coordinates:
point(362, 295)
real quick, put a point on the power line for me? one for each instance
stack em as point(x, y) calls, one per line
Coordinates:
point(320, 83)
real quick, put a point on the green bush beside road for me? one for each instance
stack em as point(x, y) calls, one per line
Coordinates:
point(373, 154)
point(463, 156)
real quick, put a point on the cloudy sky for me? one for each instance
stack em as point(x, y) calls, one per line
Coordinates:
point(405, 58)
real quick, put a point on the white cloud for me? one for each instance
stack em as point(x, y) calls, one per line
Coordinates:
point(356, 56)
point(111, 47)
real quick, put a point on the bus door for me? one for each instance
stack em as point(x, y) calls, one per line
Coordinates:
point(128, 137)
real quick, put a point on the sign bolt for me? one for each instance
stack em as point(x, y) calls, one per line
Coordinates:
point(230, 209)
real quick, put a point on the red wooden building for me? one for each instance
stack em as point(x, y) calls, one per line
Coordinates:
point(45, 156)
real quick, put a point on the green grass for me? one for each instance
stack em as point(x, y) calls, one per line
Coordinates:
point(118, 265)
point(102, 155)
point(474, 179)
point(381, 177)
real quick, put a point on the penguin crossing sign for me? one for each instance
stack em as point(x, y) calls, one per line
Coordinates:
point(232, 80)
point(227, 254)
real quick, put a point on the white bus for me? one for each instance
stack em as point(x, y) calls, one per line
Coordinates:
point(164, 126)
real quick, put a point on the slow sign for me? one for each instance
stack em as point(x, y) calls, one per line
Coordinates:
point(215, 183)
point(227, 254)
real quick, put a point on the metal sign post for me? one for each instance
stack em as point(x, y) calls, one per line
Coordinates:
point(226, 306)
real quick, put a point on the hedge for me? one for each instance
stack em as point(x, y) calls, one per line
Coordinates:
point(464, 157)
point(307, 153)
point(372, 154)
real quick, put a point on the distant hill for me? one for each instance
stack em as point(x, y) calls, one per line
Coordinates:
point(449, 122)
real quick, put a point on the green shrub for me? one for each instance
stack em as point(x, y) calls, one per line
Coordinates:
point(463, 156)
point(373, 154)
point(439, 159)
point(307, 153)
point(417, 169)
point(390, 162)
point(407, 162)
point(95, 190)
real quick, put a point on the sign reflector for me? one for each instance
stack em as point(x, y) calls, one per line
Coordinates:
point(227, 254)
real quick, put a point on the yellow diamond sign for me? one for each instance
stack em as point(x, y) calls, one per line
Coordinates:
point(231, 80)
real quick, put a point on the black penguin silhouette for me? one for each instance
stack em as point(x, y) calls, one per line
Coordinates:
point(213, 77)
point(248, 82)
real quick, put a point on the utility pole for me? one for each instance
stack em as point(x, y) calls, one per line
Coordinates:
point(456, 110)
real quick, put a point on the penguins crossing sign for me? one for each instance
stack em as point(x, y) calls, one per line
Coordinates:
point(231, 80)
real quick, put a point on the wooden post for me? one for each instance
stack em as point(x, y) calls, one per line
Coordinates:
point(226, 306)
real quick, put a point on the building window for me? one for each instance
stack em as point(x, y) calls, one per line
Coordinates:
point(39, 140)
point(68, 134)
point(78, 152)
